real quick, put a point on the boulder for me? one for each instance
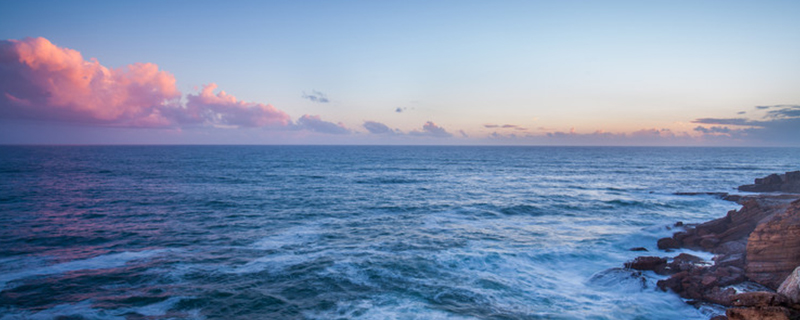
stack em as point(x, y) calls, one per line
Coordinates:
point(646, 263)
point(668, 243)
point(758, 299)
point(759, 313)
point(773, 248)
point(790, 288)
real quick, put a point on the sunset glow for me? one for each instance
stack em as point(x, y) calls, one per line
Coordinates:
point(530, 73)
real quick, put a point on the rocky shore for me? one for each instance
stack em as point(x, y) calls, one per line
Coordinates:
point(755, 272)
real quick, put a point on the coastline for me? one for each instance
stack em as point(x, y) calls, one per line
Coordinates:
point(755, 272)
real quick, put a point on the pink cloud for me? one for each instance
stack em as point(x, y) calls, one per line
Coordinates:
point(42, 81)
point(223, 109)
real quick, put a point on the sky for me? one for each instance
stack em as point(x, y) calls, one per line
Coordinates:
point(660, 73)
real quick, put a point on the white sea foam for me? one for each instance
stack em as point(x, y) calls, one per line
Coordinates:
point(294, 236)
point(282, 249)
point(384, 307)
point(100, 262)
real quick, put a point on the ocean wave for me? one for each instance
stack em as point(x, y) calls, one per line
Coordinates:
point(107, 261)
point(86, 310)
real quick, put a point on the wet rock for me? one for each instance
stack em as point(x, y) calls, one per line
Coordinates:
point(719, 318)
point(730, 275)
point(790, 288)
point(758, 244)
point(646, 263)
point(732, 198)
point(720, 296)
point(684, 262)
point(714, 194)
point(638, 249)
point(625, 278)
point(668, 243)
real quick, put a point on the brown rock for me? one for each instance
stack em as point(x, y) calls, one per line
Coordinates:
point(758, 299)
point(646, 263)
point(732, 198)
point(679, 236)
point(668, 243)
point(708, 280)
point(759, 313)
point(788, 182)
point(709, 242)
point(733, 275)
point(736, 260)
point(689, 258)
point(674, 282)
point(719, 296)
point(773, 248)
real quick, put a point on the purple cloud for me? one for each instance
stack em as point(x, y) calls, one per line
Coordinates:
point(222, 109)
point(431, 129)
point(377, 128)
point(316, 124)
point(316, 96)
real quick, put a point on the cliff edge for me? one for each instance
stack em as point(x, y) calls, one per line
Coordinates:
point(759, 243)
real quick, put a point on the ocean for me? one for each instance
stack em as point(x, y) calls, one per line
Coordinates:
point(352, 232)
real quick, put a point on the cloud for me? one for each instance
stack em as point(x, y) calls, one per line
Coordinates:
point(785, 111)
point(399, 110)
point(642, 137)
point(711, 130)
point(316, 124)
point(778, 126)
point(651, 133)
point(316, 96)
point(463, 134)
point(377, 128)
point(724, 121)
point(505, 126)
point(431, 129)
point(223, 109)
point(41, 81)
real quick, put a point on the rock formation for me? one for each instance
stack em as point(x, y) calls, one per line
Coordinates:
point(773, 248)
point(787, 182)
point(759, 243)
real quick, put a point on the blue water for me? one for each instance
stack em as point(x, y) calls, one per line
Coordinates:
point(317, 232)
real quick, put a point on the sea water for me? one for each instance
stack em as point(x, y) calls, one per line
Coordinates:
point(352, 232)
